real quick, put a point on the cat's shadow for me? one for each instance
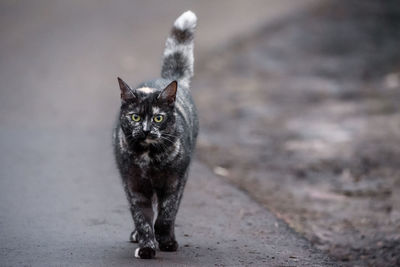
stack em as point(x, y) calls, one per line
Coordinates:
point(184, 256)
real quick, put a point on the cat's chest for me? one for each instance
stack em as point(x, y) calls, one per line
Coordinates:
point(143, 160)
point(143, 170)
point(147, 164)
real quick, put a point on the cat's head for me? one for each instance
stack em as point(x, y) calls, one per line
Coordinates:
point(147, 113)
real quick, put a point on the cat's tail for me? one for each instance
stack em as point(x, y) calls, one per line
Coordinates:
point(178, 54)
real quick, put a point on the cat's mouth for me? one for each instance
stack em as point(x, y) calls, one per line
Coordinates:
point(149, 140)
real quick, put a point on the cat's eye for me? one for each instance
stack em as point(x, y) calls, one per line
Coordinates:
point(135, 117)
point(158, 118)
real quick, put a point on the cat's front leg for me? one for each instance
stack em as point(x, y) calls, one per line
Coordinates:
point(168, 204)
point(142, 214)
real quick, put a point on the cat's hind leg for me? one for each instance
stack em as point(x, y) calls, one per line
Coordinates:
point(133, 237)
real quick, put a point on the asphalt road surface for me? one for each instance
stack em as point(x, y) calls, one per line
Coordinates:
point(61, 201)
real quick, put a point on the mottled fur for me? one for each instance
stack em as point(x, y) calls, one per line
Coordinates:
point(154, 157)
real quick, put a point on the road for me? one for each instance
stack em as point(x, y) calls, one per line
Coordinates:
point(61, 201)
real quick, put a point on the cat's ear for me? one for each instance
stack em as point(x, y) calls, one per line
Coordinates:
point(126, 92)
point(169, 93)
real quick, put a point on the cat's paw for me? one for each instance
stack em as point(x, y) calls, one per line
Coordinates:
point(170, 245)
point(145, 253)
point(133, 237)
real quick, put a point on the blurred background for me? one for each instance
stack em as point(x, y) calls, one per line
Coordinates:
point(298, 100)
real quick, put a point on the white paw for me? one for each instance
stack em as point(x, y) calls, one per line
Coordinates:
point(137, 253)
point(186, 21)
point(145, 253)
point(134, 237)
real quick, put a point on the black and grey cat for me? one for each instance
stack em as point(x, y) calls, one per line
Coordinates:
point(154, 141)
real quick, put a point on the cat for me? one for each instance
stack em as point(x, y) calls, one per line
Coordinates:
point(154, 140)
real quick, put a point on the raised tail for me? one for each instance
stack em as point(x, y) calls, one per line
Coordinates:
point(178, 54)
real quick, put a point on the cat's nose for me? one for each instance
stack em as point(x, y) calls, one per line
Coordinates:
point(146, 128)
point(146, 132)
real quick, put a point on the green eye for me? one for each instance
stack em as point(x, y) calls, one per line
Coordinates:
point(159, 118)
point(135, 117)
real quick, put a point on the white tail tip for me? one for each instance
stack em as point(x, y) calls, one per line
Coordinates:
point(185, 21)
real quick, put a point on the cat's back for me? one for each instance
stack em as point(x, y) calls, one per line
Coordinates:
point(186, 110)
